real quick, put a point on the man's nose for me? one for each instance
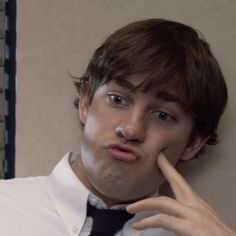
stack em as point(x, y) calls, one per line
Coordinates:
point(133, 127)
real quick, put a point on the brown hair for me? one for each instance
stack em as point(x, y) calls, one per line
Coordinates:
point(168, 53)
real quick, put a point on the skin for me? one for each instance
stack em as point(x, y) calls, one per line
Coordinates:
point(148, 122)
point(153, 124)
point(185, 215)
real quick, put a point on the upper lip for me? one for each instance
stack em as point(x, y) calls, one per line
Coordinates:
point(125, 148)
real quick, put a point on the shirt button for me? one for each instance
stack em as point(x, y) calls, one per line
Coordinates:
point(74, 229)
point(93, 201)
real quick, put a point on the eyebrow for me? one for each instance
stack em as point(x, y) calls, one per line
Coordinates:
point(125, 84)
point(166, 96)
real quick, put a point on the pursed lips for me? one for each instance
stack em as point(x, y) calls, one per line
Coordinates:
point(123, 152)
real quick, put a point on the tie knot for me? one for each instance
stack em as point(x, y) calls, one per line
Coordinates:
point(107, 221)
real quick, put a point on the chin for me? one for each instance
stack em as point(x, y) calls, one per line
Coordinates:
point(117, 194)
point(118, 189)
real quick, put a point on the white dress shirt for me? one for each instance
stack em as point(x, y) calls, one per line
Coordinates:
point(54, 205)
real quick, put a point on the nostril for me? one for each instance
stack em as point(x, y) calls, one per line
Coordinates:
point(120, 132)
point(130, 133)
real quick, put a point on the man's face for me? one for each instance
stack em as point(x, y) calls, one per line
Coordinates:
point(123, 134)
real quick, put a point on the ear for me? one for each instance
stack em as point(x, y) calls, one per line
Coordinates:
point(84, 103)
point(195, 144)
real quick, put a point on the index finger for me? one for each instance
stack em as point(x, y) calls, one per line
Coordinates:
point(181, 189)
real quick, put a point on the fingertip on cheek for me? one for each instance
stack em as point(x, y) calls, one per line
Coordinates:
point(159, 158)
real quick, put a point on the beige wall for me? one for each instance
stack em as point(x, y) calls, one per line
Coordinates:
point(55, 36)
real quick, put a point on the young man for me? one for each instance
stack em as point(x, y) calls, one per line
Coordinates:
point(152, 95)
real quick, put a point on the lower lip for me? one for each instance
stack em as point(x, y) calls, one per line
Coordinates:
point(122, 155)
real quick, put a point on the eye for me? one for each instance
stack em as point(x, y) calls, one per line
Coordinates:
point(118, 100)
point(163, 116)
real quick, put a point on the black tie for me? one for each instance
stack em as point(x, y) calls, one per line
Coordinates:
point(107, 222)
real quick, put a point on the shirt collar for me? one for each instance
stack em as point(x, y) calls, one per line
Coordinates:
point(100, 204)
point(68, 195)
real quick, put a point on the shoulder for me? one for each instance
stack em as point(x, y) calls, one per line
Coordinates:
point(27, 209)
point(23, 193)
point(21, 185)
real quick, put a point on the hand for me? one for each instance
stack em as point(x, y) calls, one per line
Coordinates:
point(187, 215)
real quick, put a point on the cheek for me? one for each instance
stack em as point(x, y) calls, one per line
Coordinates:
point(92, 130)
point(98, 129)
point(173, 144)
point(94, 122)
